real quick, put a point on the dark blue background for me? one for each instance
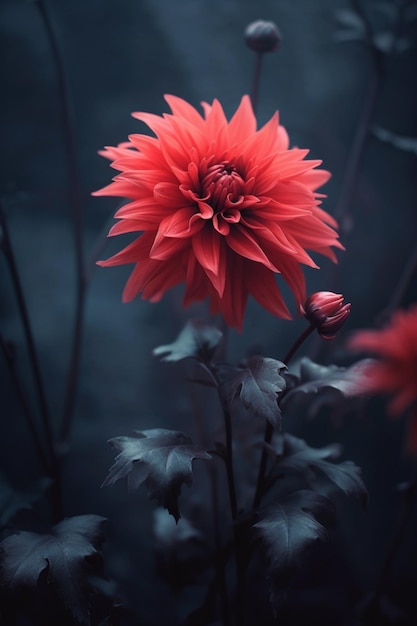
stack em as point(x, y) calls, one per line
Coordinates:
point(122, 56)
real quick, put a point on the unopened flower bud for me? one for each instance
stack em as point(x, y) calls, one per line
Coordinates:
point(262, 36)
point(326, 312)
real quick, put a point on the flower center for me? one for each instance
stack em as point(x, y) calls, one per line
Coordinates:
point(224, 186)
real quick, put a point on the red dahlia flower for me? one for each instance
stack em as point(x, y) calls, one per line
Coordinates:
point(222, 207)
point(395, 370)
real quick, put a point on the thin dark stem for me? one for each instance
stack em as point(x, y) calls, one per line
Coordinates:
point(306, 333)
point(398, 294)
point(344, 205)
point(256, 80)
point(240, 573)
point(27, 328)
point(358, 148)
point(201, 422)
point(77, 210)
point(410, 492)
point(219, 558)
point(269, 429)
point(229, 461)
point(240, 567)
point(11, 361)
point(98, 248)
point(357, 151)
point(343, 210)
point(408, 505)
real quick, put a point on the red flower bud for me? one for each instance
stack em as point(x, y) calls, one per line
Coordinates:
point(262, 36)
point(326, 312)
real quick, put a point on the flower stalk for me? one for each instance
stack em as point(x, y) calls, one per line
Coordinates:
point(30, 419)
point(7, 247)
point(269, 430)
point(77, 214)
point(261, 37)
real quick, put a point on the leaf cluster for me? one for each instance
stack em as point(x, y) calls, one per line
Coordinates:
point(160, 458)
point(55, 567)
point(300, 485)
point(300, 492)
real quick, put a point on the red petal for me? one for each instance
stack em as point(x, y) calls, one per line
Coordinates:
point(209, 250)
point(138, 250)
point(244, 243)
point(262, 285)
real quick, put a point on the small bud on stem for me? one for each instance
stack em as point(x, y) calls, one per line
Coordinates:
point(262, 36)
point(326, 312)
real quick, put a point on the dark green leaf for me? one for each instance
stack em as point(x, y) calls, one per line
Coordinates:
point(287, 530)
point(196, 340)
point(160, 458)
point(330, 382)
point(66, 557)
point(258, 388)
point(300, 457)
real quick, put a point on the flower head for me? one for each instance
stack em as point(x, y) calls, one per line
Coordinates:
point(221, 206)
point(326, 312)
point(394, 371)
point(262, 36)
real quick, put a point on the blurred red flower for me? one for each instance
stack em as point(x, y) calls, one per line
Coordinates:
point(394, 372)
point(221, 205)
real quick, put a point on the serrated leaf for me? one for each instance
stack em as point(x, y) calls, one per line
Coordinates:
point(197, 340)
point(13, 501)
point(300, 457)
point(287, 530)
point(160, 458)
point(60, 556)
point(402, 142)
point(333, 383)
point(258, 388)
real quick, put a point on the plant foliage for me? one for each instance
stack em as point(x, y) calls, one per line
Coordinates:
point(160, 458)
point(197, 340)
point(63, 560)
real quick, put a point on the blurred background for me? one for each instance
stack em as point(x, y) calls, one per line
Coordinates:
point(122, 56)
